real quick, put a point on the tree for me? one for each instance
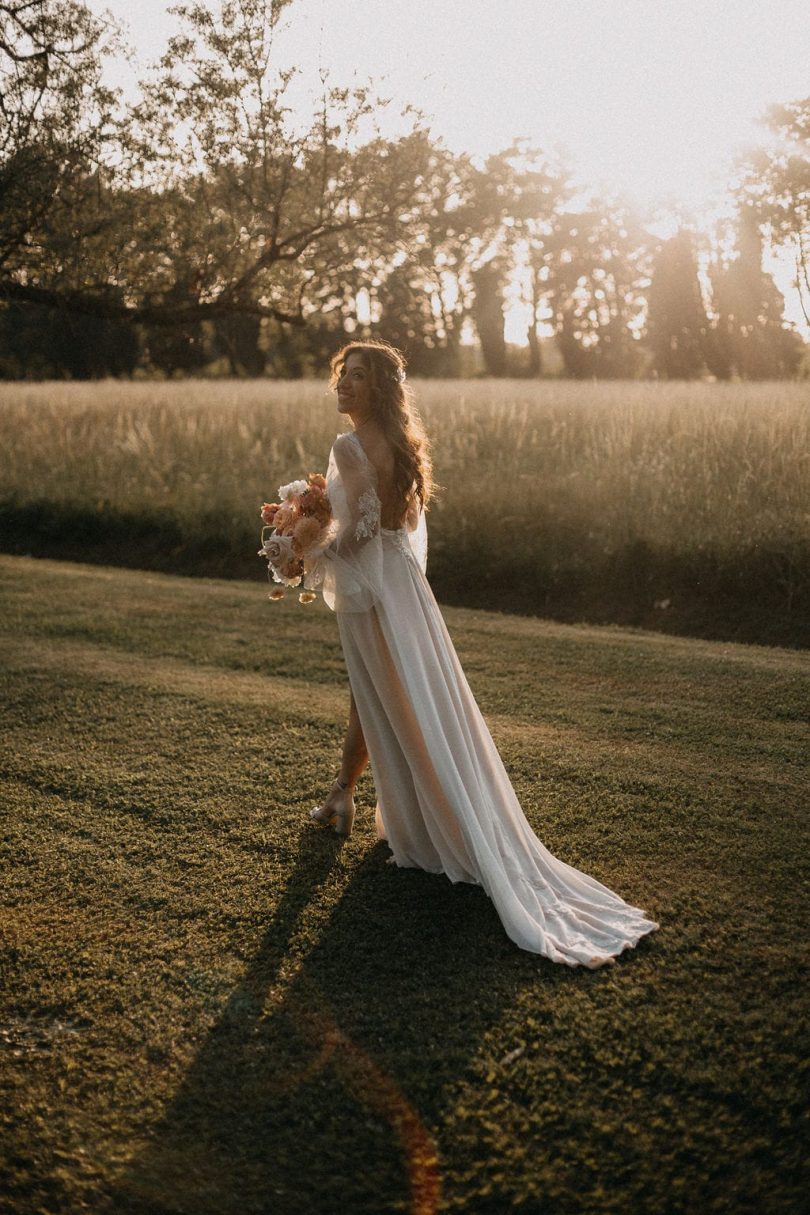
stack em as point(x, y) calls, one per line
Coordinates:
point(677, 323)
point(46, 343)
point(750, 337)
point(533, 188)
point(455, 226)
point(239, 338)
point(204, 201)
point(488, 311)
point(179, 349)
point(775, 186)
point(472, 226)
point(54, 112)
point(56, 118)
point(408, 321)
point(598, 264)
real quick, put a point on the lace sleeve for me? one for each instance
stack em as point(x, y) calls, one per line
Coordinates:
point(368, 523)
point(350, 568)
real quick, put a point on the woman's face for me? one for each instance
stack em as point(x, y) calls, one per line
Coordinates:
point(354, 389)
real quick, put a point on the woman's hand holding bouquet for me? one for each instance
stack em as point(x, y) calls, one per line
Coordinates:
point(296, 531)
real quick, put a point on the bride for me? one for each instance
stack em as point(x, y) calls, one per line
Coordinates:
point(445, 803)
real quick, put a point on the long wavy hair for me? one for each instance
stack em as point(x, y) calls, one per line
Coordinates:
point(394, 411)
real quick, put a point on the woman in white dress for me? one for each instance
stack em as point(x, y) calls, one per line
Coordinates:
point(444, 801)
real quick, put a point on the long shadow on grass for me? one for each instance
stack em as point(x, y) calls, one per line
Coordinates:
point(326, 1104)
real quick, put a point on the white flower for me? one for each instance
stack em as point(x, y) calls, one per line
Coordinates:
point(294, 489)
point(281, 560)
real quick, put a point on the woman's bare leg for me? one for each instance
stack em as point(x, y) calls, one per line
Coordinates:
point(338, 809)
point(355, 752)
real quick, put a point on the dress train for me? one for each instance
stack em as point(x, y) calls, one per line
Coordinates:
point(445, 802)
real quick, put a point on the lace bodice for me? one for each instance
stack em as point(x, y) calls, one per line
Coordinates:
point(397, 537)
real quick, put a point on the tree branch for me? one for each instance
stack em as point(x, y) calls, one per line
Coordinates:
point(24, 58)
point(165, 315)
point(802, 274)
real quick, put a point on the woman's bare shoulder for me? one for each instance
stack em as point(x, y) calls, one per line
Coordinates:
point(378, 450)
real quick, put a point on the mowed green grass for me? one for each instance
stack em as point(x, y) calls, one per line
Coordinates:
point(212, 1006)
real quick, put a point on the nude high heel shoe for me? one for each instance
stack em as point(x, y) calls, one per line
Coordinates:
point(337, 811)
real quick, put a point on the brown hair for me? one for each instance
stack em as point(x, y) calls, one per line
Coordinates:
point(395, 413)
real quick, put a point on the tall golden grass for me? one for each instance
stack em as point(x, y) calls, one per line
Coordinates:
point(536, 476)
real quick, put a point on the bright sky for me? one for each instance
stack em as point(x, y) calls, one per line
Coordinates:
point(652, 98)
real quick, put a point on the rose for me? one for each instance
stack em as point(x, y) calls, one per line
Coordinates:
point(277, 550)
point(317, 481)
point(268, 513)
point(294, 489)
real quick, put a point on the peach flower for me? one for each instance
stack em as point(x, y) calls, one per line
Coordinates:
point(307, 532)
point(323, 509)
point(286, 517)
point(269, 513)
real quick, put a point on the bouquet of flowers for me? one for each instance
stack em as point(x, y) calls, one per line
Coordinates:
point(295, 532)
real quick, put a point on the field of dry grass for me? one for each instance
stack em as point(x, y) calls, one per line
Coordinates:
point(684, 507)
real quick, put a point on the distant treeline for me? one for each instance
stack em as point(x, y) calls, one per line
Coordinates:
point(198, 231)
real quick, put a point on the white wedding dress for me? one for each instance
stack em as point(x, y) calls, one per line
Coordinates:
point(445, 802)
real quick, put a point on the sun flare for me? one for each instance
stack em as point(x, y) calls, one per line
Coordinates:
point(651, 101)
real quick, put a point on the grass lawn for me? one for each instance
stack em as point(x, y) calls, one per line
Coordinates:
point(210, 1005)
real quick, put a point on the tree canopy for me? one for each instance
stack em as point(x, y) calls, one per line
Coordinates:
point(208, 223)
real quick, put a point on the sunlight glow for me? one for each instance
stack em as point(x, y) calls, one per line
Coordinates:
point(651, 101)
